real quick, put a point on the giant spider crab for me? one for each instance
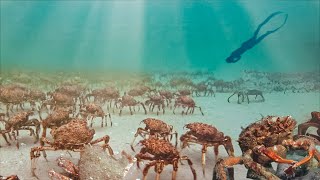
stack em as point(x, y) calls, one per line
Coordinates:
point(161, 152)
point(155, 128)
point(20, 121)
point(72, 136)
point(313, 122)
point(11, 177)
point(264, 142)
point(156, 100)
point(129, 101)
point(186, 101)
point(92, 111)
point(245, 94)
point(207, 136)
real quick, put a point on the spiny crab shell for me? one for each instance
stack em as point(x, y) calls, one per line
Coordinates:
point(75, 132)
point(205, 131)
point(18, 119)
point(159, 147)
point(269, 131)
point(157, 125)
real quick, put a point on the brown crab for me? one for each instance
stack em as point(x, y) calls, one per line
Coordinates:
point(94, 111)
point(203, 87)
point(12, 177)
point(184, 92)
point(21, 121)
point(206, 135)
point(168, 96)
point(55, 119)
point(156, 100)
point(72, 136)
point(62, 100)
point(13, 95)
point(186, 101)
point(263, 142)
point(107, 94)
point(313, 122)
point(140, 90)
point(161, 153)
point(129, 101)
point(34, 96)
point(155, 128)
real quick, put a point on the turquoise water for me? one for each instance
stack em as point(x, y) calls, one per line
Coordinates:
point(157, 35)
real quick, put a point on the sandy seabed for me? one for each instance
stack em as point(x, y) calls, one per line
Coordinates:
point(227, 117)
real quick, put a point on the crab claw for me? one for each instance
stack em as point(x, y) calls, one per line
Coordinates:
point(56, 175)
point(289, 170)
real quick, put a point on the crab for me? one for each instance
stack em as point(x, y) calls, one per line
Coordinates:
point(203, 87)
point(111, 94)
point(313, 122)
point(62, 100)
point(13, 95)
point(129, 101)
point(184, 92)
point(55, 119)
point(168, 96)
point(72, 136)
point(264, 142)
point(108, 94)
point(21, 121)
point(155, 128)
point(206, 135)
point(12, 177)
point(161, 153)
point(94, 111)
point(156, 100)
point(35, 96)
point(186, 101)
point(94, 158)
point(140, 91)
point(245, 94)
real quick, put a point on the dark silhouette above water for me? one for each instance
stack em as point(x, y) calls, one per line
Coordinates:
point(236, 55)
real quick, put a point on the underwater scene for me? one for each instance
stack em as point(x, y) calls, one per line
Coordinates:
point(159, 89)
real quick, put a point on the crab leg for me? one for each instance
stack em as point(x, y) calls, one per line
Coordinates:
point(54, 174)
point(3, 133)
point(159, 168)
point(312, 152)
point(146, 169)
point(256, 167)
point(203, 157)
point(139, 132)
point(275, 157)
point(105, 145)
point(190, 165)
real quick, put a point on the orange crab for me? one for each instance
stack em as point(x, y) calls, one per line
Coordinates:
point(264, 142)
point(20, 121)
point(161, 153)
point(72, 136)
point(155, 128)
point(207, 136)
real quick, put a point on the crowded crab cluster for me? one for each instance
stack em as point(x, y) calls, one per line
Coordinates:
point(70, 109)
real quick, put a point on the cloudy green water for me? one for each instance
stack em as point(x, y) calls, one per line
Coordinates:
point(157, 35)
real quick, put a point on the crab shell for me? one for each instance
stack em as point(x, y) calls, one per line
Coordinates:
point(269, 131)
point(205, 131)
point(159, 147)
point(157, 125)
point(17, 119)
point(57, 116)
point(75, 132)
